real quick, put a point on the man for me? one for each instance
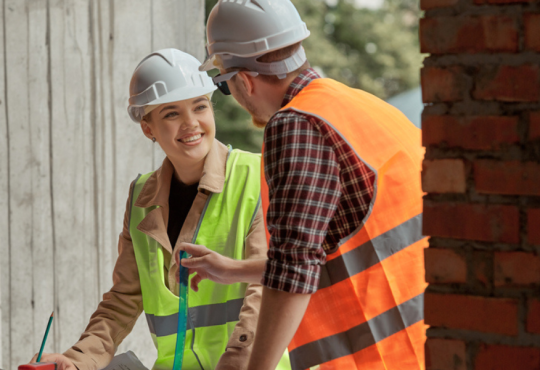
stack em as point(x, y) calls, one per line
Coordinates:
point(344, 280)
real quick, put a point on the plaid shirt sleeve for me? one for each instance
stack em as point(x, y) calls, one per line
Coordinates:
point(303, 176)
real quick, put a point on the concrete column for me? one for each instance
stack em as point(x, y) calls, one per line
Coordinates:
point(68, 152)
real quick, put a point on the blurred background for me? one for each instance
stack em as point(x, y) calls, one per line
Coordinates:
point(367, 44)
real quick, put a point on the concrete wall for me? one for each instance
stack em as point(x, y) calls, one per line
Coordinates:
point(68, 152)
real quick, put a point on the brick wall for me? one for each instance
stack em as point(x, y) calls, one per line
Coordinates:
point(481, 130)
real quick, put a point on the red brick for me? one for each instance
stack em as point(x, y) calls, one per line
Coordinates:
point(431, 4)
point(476, 133)
point(483, 314)
point(445, 354)
point(533, 316)
point(481, 264)
point(532, 31)
point(509, 177)
point(516, 268)
point(443, 84)
point(444, 266)
point(468, 34)
point(443, 176)
point(534, 126)
point(533, 226)
point(507, 83)
point(498, 357)
point(493, 223)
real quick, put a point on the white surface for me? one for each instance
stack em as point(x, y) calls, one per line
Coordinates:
point(126, 361)
point(68, 152)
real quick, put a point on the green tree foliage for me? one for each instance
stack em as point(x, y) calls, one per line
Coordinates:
point(375, 50)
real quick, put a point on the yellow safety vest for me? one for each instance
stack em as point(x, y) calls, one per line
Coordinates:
point(214, 310)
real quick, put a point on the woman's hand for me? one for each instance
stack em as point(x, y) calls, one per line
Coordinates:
point(206, 263)
point(62, 362)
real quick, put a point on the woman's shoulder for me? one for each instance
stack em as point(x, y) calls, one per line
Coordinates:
point(241, 156)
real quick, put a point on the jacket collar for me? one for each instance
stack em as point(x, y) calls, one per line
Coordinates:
point(301, 81)
point(156, 189)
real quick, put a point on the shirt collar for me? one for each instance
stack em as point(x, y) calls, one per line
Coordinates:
point(301, 81)
point(157, 188)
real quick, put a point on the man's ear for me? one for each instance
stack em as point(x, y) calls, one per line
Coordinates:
point(246, 82)
point(146, 129)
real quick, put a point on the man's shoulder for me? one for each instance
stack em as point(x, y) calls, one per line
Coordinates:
point(289, 116)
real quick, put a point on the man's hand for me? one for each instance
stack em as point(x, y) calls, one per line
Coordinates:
point(62, 362)
point(206, 263)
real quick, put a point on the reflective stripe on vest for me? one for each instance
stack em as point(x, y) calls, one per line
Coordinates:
point(209, 315)
point(371, 252)
point(214, 310)
point(373, 282)
point(359, 337)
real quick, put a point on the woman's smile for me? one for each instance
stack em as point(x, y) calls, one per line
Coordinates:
point(191, 139)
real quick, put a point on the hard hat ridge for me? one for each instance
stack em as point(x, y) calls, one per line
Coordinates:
point(166, 76)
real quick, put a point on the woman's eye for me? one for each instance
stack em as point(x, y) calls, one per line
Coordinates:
point(172, 114)
point(201, 107)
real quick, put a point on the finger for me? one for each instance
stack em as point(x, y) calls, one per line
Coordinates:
point(194, 249)
point(177, 274)
point(34, 359)
point(50, 357)
point(46, 357)
point(177, 255)
point(195, 280)
point(192, 263)
point(62, 362)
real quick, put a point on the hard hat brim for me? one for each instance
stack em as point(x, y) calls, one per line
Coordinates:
point(180, 94)
point(299, 34)
point(208, 64)
point(173, 96)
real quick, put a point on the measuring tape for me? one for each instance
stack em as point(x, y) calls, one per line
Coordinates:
point(182, 315)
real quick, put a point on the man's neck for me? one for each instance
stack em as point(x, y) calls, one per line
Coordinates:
point(275, 93)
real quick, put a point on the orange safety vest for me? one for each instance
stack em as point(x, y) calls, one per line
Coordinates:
point(368, 310)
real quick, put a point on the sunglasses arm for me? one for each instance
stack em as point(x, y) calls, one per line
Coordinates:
point(227, 76)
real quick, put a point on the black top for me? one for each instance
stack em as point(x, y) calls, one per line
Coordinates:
point(181, 198)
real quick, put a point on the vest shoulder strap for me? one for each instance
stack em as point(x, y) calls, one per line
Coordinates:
point(239, 156)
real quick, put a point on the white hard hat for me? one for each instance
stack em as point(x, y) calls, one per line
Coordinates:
point(166, 76)
point(247, 29)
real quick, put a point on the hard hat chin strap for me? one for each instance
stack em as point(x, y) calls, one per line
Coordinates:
point(280, 68)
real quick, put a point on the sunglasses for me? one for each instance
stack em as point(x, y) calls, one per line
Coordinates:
point(221, 80)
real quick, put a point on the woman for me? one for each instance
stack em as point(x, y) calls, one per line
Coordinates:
point(204, 193)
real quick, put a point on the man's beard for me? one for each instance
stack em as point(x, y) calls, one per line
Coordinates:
point(252, 110)
point(258, 123)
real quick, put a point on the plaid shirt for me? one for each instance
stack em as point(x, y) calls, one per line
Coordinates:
point(319, 193)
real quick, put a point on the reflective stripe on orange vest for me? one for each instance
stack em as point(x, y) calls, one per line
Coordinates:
point(368, 310)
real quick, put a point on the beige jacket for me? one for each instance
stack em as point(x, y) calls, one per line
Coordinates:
point(121, 306)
